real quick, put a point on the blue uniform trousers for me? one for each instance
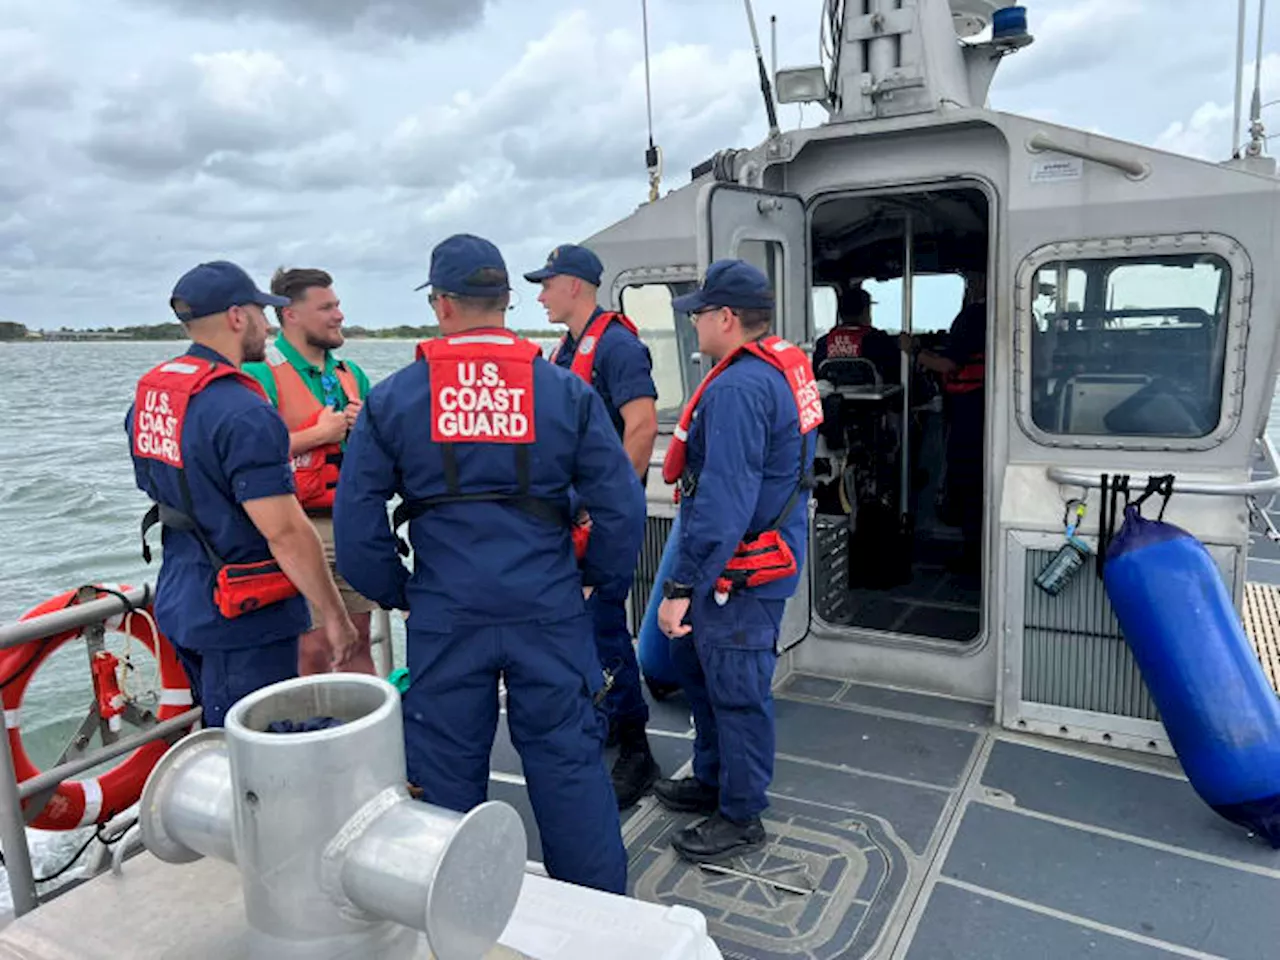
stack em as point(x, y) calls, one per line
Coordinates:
point(608, 608)
point(221, 677)
point(551, 673)
point(725, 667)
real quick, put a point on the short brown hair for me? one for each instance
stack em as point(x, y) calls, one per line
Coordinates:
point(295, 283)
point(754, 319)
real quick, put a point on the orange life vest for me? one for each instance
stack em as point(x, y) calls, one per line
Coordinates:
point(584, 358)
point(762, 557)
point(315, 471)
point(482, 392)
point(967, 377)
point(844, 343)
point(159, 414)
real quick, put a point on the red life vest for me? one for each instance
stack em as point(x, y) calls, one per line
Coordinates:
point(967, 377)
point(159, 415)
point(482, 392)
point(763, 557)
point(315, 472)
point(583, 366)
point(844, 343)
point(584, 358)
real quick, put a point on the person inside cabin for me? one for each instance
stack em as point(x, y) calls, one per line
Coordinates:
point(319, 396)
point(961, 365)
point(604, 349)
point(485, 441)
point(743, 456)
point(213, 456)
point(853, 337)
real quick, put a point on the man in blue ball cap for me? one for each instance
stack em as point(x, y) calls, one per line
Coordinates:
point(213, 455)
point(743, 456)
point(603, 348)
point(484, 440)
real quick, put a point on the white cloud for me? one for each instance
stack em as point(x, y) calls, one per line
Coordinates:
point(406, 18)
point(1207, 134)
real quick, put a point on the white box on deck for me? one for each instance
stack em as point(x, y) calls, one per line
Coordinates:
point(560, 921)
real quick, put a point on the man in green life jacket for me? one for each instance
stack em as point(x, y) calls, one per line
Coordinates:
point(319, 396)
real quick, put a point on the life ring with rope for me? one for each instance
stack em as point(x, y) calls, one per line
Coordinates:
point(94, 800)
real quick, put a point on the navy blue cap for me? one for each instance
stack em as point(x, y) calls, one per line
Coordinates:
point(455, 262)
point(570, 260)
point(729, 283)
point(216, 287)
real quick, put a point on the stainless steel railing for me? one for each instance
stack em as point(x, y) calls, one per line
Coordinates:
point(85, 616)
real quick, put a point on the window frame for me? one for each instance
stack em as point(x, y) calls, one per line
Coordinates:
point(1137, 249)
point(667, 276)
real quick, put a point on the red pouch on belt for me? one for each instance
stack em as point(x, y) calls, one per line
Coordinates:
point(241, 588)
point(756, 562)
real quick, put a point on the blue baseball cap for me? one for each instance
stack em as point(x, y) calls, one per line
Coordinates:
point(728, 283)
point(216, 287)
point(570, 260)
point(455, 263)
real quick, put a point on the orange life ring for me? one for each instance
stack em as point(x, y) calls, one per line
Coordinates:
point(79, 803)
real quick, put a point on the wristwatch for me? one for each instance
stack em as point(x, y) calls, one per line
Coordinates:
point(676, 591)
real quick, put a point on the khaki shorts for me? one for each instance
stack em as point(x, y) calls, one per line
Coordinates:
point(354, 602)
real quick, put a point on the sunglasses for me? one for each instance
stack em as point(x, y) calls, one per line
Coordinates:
point(329, 384)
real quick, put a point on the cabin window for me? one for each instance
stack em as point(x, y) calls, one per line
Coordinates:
point(671, 340)
point(1129, 347)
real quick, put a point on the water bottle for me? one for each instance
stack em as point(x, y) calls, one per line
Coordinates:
point(1064, 565)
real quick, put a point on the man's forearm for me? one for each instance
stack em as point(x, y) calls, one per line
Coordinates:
point(301, 556)
point(639, 447)
point(304, 440)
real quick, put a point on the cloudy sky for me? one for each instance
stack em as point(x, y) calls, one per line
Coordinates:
point(138, 137)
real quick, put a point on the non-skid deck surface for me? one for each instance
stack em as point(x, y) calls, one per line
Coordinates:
point(1262, 624)
point(913, 830)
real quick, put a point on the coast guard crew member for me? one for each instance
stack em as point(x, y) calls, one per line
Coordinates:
point(743, 455)
point(213, 455)
point(319, 395)
point(603, 348)
point(484, 440)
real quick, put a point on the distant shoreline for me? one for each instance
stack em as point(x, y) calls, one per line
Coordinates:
point(100, 337)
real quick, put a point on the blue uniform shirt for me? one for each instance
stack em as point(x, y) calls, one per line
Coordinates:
point(236, 448)
point(484, 563)
point(622, 372)
point(745, 450)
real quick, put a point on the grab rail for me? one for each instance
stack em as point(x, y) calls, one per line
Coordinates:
point(13, 834)
point(1248, 488)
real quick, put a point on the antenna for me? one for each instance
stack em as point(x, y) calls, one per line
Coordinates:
point(765, 87)
point(653, 155)
point(1235, 126)
point(773, 42)
point(1256, 137)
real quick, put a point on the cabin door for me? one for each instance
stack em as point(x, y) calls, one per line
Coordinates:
point(770, 231)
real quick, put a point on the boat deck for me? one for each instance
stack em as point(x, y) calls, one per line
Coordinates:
point(906, 826)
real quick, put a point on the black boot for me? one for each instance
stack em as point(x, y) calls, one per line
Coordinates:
point(718, 838)
point(687, 795)
point(635, 770)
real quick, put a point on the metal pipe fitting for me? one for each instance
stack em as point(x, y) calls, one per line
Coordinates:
point(335, 858)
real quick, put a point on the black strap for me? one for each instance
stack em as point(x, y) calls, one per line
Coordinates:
point(550, 510)
point(183, 520)
point(1161, 485)
point(1112, 515)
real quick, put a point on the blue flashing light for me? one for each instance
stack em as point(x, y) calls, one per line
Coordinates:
point(1009, 23)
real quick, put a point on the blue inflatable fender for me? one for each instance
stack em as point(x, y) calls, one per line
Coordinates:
point(1221, 714)
point(654, 646)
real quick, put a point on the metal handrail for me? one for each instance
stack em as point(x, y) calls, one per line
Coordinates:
point(13, 834)
point(73, 617)
point(1249, 488)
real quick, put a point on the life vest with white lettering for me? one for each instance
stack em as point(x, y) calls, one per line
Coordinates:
point(482, 392)
point(159, 414)
point(845, 343)
point(583, 366)
point(764, 556)
point(315, 471)
point(968, 376)
point(584, 357)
